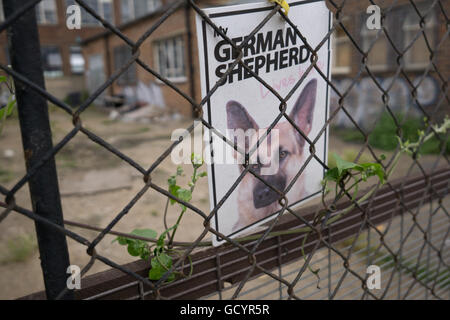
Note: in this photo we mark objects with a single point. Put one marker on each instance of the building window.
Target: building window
(104, 8)
(121, 56)
(46, 12)
(134, 9)
(378, 55)
(95, 73)
(342, 51)
(76, 60)
(52, 61)
(418, 55)
(169, 58)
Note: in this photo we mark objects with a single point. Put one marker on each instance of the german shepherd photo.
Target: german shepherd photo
(256, 200)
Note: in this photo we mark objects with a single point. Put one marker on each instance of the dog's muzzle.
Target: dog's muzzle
(263, 195)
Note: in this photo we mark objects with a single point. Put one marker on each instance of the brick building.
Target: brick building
(62, 58)
(172, 51)
(402, 23)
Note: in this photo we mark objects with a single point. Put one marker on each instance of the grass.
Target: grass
(6, 175)
(18, 249)
(384, 135)
(154, 213)
(349, 135)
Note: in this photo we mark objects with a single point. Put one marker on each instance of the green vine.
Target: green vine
(161, 252)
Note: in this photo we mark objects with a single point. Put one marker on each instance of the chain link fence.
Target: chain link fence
(401, 226)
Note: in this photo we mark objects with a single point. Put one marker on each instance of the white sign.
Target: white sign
(243, 105)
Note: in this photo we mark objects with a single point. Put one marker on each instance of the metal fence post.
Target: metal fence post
(25, 56)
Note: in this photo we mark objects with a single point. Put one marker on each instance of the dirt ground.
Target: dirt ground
(96, 185)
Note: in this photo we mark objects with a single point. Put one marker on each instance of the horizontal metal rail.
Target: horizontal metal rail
(113, 284)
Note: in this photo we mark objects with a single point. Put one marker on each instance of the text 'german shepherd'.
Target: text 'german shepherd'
(256, 200)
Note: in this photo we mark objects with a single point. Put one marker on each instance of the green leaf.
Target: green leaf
(342, 164)
(332, 175)
(134, 249)
(165, 260)
(172, 181)
(373, 169)
(381, 174)
(122, 241)
(135, 245)
(160, 265)
(145, 253)
(3, 79)
(173, 189)
(363, 176)
(162, 237)
(147, 233)
(10, 106)
(203, 174)
(7, 110)
(184, 194)
(155, 273)
(179, 171)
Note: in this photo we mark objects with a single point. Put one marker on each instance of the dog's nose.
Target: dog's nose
(263, 196)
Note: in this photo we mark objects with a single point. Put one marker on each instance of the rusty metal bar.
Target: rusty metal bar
(113, 284)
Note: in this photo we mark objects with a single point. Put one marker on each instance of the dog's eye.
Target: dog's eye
(283, 154)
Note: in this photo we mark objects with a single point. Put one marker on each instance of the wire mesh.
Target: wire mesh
(411, 248)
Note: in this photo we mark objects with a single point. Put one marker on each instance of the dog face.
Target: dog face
(277, 160)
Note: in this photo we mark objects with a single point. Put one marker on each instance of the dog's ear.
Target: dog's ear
(303, 111)
(238, 117)
(240, 121)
